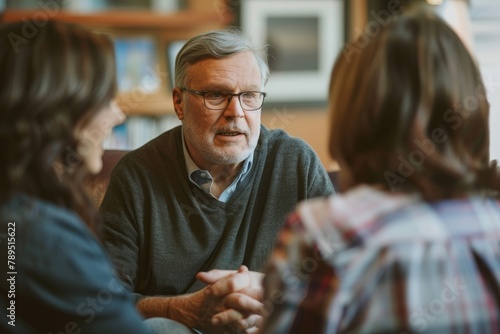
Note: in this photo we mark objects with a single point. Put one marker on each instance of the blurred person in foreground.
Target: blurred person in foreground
(56, 97)
(412, 244)
(192, 216)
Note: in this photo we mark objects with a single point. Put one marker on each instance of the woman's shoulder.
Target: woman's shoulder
(367, 215)
(59, 264)
(347, 217)
(354, 206)
(41, 226)
(28, 210)
(49, 240)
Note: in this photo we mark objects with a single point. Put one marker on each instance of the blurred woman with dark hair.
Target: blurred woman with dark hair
(413, 242)
(56, 98)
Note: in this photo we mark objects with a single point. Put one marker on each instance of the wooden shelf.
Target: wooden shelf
(180, 22)
(150, 105)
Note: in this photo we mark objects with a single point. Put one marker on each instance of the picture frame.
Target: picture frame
(303, 38)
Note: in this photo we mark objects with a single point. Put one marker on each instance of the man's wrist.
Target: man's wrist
(176, 308)
(158, 306)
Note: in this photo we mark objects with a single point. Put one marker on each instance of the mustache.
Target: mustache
(231, 129)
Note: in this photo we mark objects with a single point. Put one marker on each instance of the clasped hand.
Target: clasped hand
(232, 300)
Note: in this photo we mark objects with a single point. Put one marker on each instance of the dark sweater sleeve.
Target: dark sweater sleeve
(311, 176)
(320, 184)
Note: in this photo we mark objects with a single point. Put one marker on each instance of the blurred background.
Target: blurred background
(303, 37)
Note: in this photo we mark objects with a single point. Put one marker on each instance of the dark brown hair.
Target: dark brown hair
(55, 78)
(409, 111)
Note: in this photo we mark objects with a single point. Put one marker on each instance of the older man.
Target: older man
(192, 216)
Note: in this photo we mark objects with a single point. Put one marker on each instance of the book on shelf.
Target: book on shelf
(138, 130)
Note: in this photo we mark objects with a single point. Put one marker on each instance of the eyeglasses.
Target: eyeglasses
(219, 100)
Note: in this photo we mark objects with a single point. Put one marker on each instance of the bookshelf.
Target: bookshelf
(160, 29)
(142, 41)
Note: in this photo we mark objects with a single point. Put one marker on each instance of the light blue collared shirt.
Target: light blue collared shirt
(204, 180)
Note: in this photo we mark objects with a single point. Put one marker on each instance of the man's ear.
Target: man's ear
(178, 103)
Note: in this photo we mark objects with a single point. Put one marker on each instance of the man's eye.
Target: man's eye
(215, 95)
(250, 96)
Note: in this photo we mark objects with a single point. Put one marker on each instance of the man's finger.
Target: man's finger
(244, 325)
(254, 321)
(226, 317)
(230, 284)
(244, 304)
(255, 293)
(212, 276)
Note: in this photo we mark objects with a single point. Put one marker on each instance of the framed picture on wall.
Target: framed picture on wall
(303, 38)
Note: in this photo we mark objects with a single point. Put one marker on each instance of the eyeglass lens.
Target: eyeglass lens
(220, 100)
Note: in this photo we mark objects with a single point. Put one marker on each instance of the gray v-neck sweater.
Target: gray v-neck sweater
(161, 230)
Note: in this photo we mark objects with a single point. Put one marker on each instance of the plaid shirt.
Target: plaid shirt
(374, 262)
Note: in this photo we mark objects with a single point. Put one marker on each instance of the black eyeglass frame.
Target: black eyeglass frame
(231, 95)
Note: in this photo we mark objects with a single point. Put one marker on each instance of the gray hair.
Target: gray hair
(217, 44)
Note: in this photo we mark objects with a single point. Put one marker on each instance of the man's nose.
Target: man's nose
(234, 109)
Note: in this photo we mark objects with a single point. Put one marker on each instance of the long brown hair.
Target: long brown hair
(409, 111)
(55, 78)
